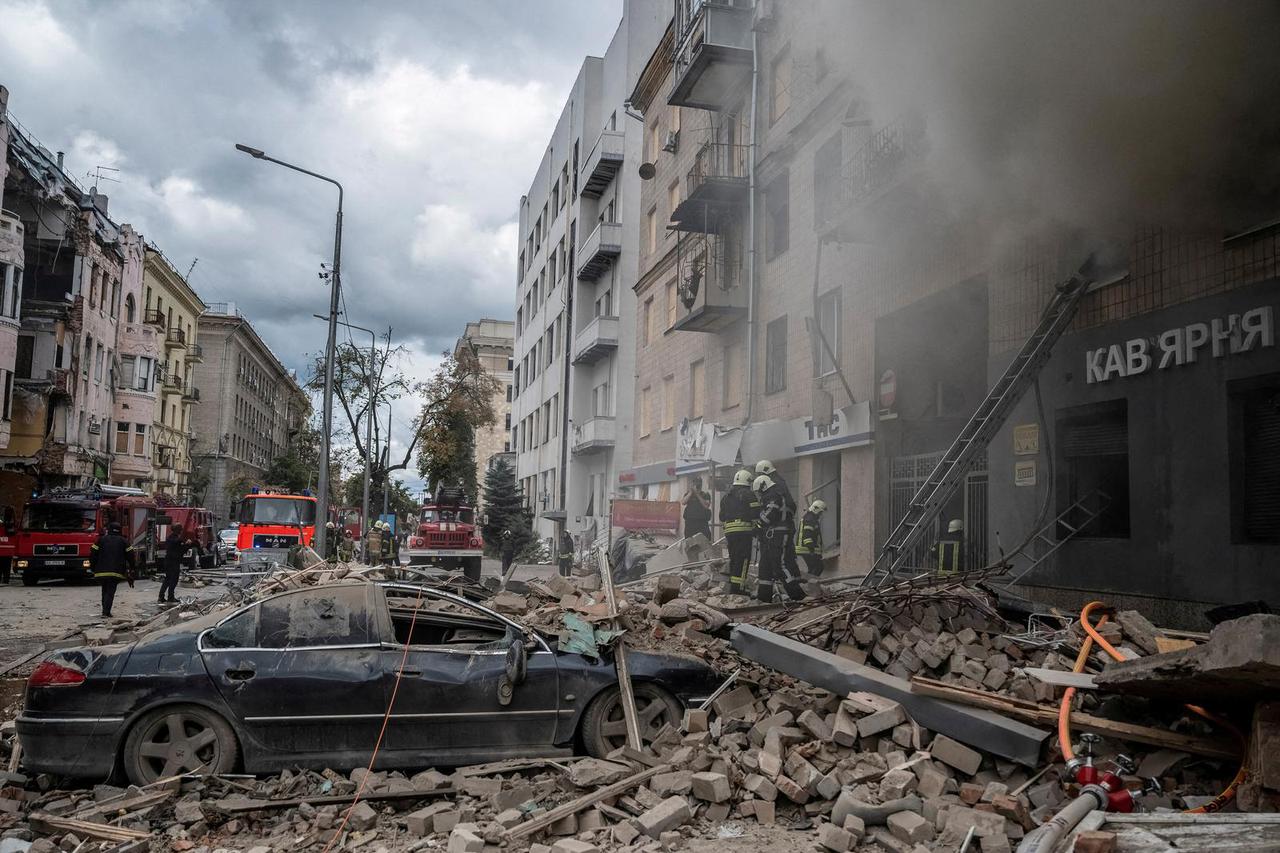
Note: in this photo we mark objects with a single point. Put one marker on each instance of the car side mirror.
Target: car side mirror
(517, 661)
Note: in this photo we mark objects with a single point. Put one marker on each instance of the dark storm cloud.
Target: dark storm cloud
(432, 114)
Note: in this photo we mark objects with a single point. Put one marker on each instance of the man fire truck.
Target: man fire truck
(273, 520)
(60, 527)
(447, 535)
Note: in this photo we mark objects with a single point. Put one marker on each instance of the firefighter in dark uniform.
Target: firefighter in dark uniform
(112, 563)
(776, 526)
(950, 548)
(739, 510)
(565, 557)
(791, 567)
(809, 542)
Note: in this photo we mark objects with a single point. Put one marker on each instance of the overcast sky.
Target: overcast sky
(432, 114)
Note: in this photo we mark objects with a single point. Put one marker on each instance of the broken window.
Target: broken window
(777, 221)
(442, 623)
(1094, 451)
(334, 617)
(775, 356)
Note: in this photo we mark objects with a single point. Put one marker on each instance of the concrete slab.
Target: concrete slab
(981, 729)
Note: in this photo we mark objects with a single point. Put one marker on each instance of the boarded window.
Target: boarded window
(775, 356)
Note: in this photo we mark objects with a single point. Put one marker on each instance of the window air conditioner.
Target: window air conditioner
(672, 142)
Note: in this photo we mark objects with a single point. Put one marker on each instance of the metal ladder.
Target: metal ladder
(1081, 515)
(981, 428)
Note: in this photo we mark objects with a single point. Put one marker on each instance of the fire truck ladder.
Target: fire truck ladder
(990, 415)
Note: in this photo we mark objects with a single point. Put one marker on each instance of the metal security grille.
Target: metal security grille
(907, 474)
(1262, 467)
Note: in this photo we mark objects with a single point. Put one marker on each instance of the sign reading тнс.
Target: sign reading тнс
(1235, 333)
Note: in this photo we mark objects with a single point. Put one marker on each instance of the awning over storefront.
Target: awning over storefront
(701, 444)
(644, 475)
(784, 439)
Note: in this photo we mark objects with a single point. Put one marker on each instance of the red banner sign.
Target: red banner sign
(646, 515)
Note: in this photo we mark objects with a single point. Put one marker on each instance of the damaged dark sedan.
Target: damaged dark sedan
(305, 678)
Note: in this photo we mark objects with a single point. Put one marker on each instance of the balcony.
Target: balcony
(597, 340)
(715, 188)
(195, 352)
(868, 177)
(192, 395)
(713, 53)
(594, 436)
(172, 385)
(151, 317)
(175, 339)
(63, 382)
(602, 163)
(599, 250)
(709, 282)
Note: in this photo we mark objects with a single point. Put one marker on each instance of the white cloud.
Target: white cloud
(31, 35)
(449, 240)
(183, 202)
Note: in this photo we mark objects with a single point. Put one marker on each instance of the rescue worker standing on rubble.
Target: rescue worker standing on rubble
(373, 544)
(809, 542)
(508, 551)
(112, 563)
(697, 511)
(565, 558)
(347, 547)
(738, 512)
(791, 567)
(330, 540)
(776, 524)
(950, 547)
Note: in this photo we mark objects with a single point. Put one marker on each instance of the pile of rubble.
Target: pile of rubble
(907, 720)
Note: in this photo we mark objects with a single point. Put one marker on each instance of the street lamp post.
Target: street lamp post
(368, 424)
(335, 289)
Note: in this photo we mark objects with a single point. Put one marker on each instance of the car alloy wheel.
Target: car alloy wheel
(605, 728)
(176, 740)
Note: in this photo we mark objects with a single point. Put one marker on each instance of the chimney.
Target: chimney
(60, 156)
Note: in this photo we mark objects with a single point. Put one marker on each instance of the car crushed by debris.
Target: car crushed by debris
(304, 678)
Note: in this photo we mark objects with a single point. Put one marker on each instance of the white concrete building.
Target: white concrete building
(575, 303)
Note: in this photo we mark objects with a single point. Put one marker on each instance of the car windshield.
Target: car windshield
(291, 511)
(463, 515)
(59, 518)
(228, 535)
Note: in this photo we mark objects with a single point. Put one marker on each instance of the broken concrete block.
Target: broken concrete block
(910, 827)
(625, 833)
(814, 725)
(773, 721)
(765, 812)
(711, 787)
(668, 814)
(466, 838)
(573, 845)
(761, 787)
(955, 754)
(897, 784)
(870, 814)
(695, 720)
(362, 816)
(960, 820)
(835, 838)
(882, 720)
(791, 790)
(676, 782)
(421, 822)
(854, 826)
(596, 772)
(932, 782)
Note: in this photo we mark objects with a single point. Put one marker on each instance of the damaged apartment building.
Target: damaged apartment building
(800, 298)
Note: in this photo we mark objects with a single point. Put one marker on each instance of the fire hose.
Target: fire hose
(1106, 791)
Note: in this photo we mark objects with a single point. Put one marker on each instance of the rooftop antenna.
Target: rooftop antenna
(98, 177)
(191, 268)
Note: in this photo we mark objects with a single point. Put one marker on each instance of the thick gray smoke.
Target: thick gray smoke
(1078, 115)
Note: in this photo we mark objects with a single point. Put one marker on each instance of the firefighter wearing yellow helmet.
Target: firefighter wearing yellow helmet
(809, 542)
(738, 512)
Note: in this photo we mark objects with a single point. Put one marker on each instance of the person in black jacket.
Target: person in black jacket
(697, 511)
(738, 511)
(790, 566)
(112, 562)
(176, 546)
(776, 523)
(809, 545)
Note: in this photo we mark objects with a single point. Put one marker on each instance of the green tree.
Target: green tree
(459, 401)
(504, 509)
(449, 454)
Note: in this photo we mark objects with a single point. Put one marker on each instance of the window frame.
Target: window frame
(775, 375)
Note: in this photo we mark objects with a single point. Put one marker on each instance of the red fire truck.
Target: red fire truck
(196, 524)
(272, 521)
(447, 535)
(60, 527)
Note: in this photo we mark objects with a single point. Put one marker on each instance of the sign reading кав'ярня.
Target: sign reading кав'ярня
(1236, 333)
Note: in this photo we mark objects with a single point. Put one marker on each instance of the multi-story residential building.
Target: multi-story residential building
(63, 402)
(493, 342)
(869, 339)
(578, 235)
(170, 305)
(251, 407)
(134, 374)
(11, 264)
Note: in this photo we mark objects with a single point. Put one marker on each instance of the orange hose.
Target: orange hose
(1064, 710)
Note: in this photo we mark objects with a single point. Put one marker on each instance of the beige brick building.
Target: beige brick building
(868, 328)
(494, 344)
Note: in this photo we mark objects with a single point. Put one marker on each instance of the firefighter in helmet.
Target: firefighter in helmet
(809, 542)
(776, 524)
(764, 466)
(950, 548)
(739, 510)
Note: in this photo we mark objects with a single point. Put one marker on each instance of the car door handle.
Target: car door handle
(414, 672)
(240, 674)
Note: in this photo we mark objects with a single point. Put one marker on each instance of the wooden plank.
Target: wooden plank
(1039, 715)
(127, 803)
(14, 664)
(629, 713)
(51, 825)
(236, 805)
(1061, 678)
(585, 801)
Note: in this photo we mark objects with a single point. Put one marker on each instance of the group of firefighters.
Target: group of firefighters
(381, 545)
(759, 508)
